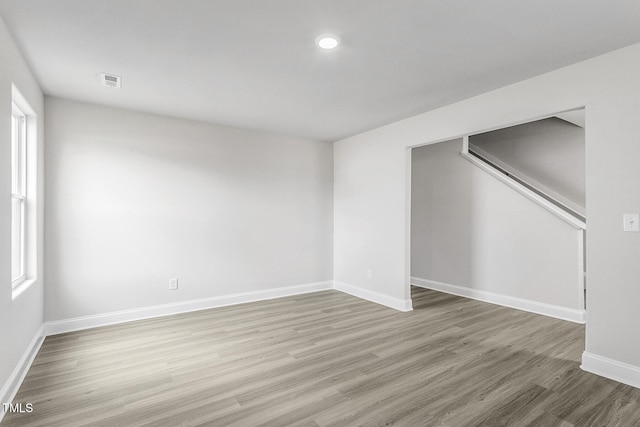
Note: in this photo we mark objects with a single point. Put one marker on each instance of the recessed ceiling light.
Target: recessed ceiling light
(327, 41)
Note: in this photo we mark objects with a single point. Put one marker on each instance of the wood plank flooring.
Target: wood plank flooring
(325, 359)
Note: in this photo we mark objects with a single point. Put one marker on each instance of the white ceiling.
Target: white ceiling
(253, 63)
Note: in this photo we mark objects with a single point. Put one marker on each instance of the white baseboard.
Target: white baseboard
(10, 388)
(599, 365)
(105, 319)
(564, 313)
(612, 369)
(112, 318)
(386, 300)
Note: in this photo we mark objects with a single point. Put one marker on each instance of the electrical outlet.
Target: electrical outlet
(369, 274)
(173, 284)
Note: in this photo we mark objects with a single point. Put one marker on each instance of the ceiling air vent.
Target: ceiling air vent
(110, 80)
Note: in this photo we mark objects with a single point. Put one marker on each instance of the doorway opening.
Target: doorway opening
(501, 216)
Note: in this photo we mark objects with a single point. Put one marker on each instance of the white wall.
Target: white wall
(372, 192)
(20, 319)
(371, 215)
(469, 229)
(549, 152)
(136, 199)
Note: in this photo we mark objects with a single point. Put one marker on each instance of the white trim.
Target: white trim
(539, 200)
(373, 296)
(407, 226)
(498, 127)
(580, 210)
(564, 313)
(612, 369)
(13, 383)
(94, 321)
(112, 318)
(23, 286)
(21, 102)
(581, 273)
(465, 144)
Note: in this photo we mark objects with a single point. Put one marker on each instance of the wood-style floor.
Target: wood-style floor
(325, 359)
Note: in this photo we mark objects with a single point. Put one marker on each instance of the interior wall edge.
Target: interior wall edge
(373, 296)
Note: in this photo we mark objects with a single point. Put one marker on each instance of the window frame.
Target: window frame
(19, 195)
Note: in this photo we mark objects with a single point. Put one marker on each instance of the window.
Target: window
(18, 195)
(24, 188)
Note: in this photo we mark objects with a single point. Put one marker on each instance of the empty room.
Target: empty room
(338, 213)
